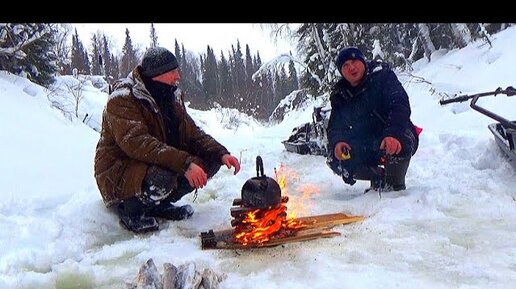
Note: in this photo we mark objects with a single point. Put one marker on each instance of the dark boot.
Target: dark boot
(375, 174)
(132, 216)
(395, 171)
(167, 210)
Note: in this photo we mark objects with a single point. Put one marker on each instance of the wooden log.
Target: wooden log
(237, 202)
(329, 220)
(239, 211)
(316, 227)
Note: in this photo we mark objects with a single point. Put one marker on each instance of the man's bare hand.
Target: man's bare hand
(391, 145)
(196, 176)
(230, 161)
(341, 150)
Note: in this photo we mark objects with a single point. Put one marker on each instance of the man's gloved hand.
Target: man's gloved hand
(341, 150)
(391, 145)
(196, 176)
(230, 161)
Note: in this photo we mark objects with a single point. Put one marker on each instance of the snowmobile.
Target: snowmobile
(310, 138)
(504, 130)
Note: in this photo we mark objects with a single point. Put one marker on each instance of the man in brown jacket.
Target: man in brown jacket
(151, 153)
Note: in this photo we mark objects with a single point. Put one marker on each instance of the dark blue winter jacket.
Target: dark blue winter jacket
(363, 115)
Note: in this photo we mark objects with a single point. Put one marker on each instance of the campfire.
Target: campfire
(260, 217)
(261, 214)
(260, 225)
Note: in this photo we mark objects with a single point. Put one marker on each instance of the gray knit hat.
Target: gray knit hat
(158, 60)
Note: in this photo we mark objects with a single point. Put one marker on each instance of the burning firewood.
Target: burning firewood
(260, 219)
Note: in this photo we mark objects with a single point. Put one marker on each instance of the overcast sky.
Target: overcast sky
(194, 36)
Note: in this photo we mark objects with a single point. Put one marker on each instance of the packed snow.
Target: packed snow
(454, 226)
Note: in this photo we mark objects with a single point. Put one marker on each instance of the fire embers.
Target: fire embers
(261, 214)
(256, 226)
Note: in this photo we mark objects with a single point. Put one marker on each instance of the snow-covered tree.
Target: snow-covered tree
(79, 55)
(129, 59)
(96, 56)
(62, 48)
(29, 49)
(153, 36)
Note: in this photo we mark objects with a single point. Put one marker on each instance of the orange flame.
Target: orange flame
(262, 225)
(298, 205)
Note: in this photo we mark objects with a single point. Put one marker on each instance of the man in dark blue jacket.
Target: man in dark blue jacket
(370, 134)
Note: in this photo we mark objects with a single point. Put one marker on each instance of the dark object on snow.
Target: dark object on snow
(140, 217)
(260, 192)
(504, 131)
(310, 138)
(132, 216)
(167, 210)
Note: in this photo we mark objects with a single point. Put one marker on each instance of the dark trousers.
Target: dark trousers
(161, 187)
(161, 184)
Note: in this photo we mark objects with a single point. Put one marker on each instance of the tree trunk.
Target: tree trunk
(461, 34)
(426, 41)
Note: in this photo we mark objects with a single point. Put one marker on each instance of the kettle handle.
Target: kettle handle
(259, 167)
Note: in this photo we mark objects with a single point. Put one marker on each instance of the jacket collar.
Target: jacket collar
(139, 90)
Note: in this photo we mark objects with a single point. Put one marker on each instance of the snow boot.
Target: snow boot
(132, 216)
(167, 210)
(395, 171)
(377, 177)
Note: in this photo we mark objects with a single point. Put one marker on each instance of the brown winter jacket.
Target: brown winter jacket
(133, 137)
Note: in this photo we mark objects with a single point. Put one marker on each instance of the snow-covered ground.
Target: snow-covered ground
(454, 226)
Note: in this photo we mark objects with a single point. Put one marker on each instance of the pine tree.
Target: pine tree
(115, 67)
(177, 53)
(107, 60)
(292, 81)
(210, 77)
(249, 69)
(62, 48)
(190, 81)
(277, 87)
(129, 60)
(426, 40)
(86, 61)
(29, 49)
(238, 73)
(95, 56)
(79, 59)
(40, 63)
(316, 58)
(226, 87)
(153, 36)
